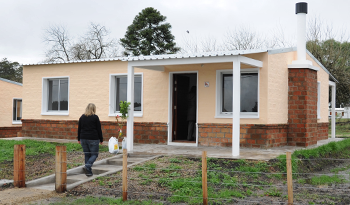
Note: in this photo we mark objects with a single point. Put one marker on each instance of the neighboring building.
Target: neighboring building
(278, 105)
(10, 108)
(342, 112)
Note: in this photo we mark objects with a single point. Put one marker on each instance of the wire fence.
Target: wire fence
(182, 182)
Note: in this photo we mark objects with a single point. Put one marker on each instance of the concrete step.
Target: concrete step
(117, 162)
(76, 176)
(48, 186)
(100, 169)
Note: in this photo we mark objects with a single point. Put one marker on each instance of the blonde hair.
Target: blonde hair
(90, 109)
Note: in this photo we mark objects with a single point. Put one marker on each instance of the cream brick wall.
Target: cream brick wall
(89, 82)
(323, 78)
(278, 87)
(8, 91)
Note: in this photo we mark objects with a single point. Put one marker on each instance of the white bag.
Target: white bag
(113, 145)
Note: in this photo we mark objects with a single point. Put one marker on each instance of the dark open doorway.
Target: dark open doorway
(184, 107)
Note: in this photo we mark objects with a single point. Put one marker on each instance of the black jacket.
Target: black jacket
(90, 128)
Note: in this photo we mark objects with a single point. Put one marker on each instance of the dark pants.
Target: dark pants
(90, 148)
(191, 135)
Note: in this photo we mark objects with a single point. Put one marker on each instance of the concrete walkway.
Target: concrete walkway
(219, 152)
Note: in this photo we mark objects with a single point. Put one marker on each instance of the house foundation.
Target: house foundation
(7, 132)
(209, 134)
(144, 132)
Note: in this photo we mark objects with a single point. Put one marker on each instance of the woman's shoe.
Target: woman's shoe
(87, 172)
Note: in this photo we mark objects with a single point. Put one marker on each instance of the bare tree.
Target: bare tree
(190, 44)
(243, 38)
(210, 44)
(95, 44)
(57, 38)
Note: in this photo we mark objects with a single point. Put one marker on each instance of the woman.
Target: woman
(89, 136)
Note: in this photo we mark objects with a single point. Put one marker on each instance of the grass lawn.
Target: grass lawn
(178, 180)
(342, 128)
(40, 157)
(34, 147)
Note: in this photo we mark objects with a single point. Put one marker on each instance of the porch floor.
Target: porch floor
(218, 152)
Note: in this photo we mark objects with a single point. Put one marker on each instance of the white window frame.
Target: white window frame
(45, 92)
(318, 100)
(17, 122)
(218, 113)
(112, 94)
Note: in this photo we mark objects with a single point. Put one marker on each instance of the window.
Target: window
(318, 100)
(249, 93)
(55, 96)
(17, 111)
(118, 92)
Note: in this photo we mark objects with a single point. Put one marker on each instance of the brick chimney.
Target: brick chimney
(302, 90)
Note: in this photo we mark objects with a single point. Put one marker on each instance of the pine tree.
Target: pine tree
(149, 35)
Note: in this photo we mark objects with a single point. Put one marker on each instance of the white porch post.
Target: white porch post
(130, 121)
(236, 105)
(332, 84)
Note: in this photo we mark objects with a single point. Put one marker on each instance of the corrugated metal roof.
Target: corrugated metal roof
(167, 56)
(191, 55)
(10, 81)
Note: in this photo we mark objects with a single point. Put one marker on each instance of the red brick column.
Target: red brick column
(302, 107)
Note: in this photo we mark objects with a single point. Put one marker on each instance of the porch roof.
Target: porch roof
(162, 57)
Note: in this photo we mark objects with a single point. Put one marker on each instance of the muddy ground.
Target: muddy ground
(145, 184)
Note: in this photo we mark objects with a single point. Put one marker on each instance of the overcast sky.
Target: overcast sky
(22, 22)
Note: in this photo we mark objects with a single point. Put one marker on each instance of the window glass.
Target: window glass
(121, 91)
(53, 94)
(137, 93)
(63, 94)
(17, 110)
(58, 95)
(227, 93)
(249, 92)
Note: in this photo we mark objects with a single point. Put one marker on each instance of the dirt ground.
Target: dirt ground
(44, 164)
(27, 196)
(111, 186)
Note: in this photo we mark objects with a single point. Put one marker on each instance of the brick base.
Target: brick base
(252, 136)
(255, 136)
(209, 134)
(6, 132)
(322, 130)
(144, 132)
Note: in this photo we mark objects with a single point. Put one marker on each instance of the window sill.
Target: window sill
(118, 114)
(242, 116)
(55, 113)
(16, 123)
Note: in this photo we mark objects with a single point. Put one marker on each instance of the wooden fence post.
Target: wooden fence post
(125, 175)
(289, 178)
(19, 167)
(204, 178)
(61, 169)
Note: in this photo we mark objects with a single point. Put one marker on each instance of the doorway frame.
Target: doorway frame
(170, 109)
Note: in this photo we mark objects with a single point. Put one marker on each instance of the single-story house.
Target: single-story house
(10, 108)
(277, 105)
(251, 98)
